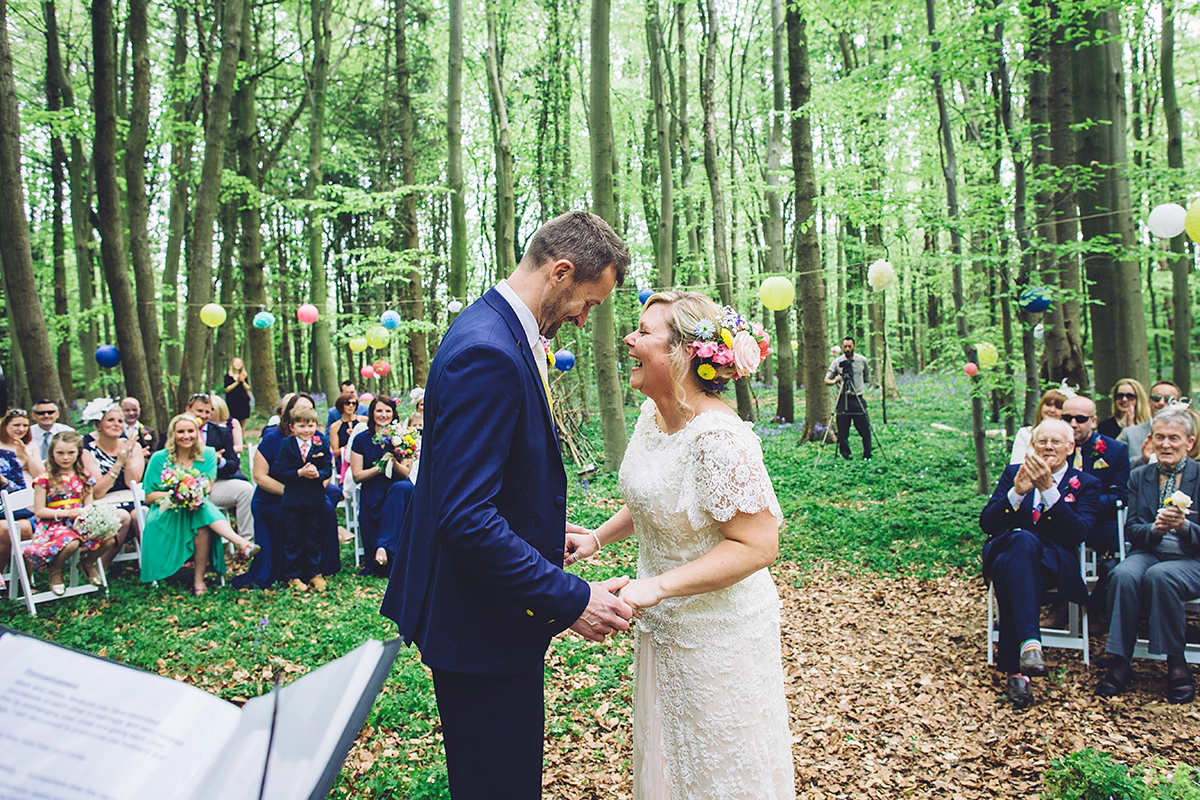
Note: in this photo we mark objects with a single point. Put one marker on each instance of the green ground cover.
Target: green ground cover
(912, 508)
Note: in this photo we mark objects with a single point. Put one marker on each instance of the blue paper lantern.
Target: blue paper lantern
(107, 356)
(390, 319)
(264, 319)
(644, 295)
(1036, 300)
(564, 360)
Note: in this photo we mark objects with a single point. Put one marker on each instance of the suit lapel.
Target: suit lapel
(524, 352)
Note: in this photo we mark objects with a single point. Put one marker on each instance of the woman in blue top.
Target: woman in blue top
(366, 456)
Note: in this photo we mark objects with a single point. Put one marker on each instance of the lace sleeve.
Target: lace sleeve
(728, 477)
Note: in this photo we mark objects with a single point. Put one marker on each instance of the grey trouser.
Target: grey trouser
(1165, 584)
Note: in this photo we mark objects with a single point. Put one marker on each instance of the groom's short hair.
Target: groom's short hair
(584, 239)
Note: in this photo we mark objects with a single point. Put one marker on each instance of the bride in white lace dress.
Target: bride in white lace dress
(710, 719)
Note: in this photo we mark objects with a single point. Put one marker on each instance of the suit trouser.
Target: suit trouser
(1018, 578)
(851, 408)
(230, 493)
(301, 552)
(1166, 583)
(493, 728)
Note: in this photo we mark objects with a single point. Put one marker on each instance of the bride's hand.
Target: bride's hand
(642, 593)
(580, 544)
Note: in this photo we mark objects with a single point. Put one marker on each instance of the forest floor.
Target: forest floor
(890, 696)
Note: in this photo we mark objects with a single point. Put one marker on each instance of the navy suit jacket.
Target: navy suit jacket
(219, 438)
(300, 492)
(1062, 527)
(478, 581)
(1144, 505)
(1111, 468)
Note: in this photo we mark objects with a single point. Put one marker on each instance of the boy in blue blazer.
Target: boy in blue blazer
(303, 465)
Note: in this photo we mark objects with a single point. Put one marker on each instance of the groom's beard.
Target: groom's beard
(554, 311)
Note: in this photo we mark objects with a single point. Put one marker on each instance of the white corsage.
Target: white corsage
(1179, 500)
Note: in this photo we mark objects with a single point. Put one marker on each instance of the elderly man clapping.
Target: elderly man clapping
(1040, 512)
(1164, 565)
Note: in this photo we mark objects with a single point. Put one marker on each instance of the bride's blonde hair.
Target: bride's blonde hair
(684, 311)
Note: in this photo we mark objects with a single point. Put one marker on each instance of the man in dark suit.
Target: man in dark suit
(1035, 520)
(478, 582)
(1105, 459)
(231, 489)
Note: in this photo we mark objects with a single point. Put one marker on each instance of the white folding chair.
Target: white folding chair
(22, 587)
(1191, 650)
(132, 550)
(350, 507)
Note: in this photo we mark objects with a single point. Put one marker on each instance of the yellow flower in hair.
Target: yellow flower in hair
(727, 337)
(706, 372)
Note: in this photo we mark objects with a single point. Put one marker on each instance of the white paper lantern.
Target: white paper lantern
(1167, 220)
(1039, 331)
(881, 275)
(454, 306)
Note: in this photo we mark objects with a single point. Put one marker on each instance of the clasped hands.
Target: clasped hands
(1032, 472)
(309, 470)
(1169, 518)
(614, 602)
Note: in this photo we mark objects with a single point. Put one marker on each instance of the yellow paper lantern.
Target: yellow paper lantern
(1191, 222)
(987, 354)
(777, 293)
(212, 315)
(357, 344)
(378, 337)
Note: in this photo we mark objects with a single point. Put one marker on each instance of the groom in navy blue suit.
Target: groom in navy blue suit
(478, 581)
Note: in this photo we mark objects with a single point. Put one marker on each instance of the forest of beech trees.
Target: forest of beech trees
(372, 155)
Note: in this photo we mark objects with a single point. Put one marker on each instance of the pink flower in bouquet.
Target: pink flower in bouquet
(746, 353)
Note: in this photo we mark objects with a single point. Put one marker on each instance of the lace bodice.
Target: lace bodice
(678, 487)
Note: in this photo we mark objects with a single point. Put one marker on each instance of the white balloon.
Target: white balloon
(1039, 331)
(1167, 220)
(454, 306)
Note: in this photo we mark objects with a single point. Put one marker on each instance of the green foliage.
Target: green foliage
(1093, 775)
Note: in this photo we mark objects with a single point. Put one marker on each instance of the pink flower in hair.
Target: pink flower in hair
(707, 350)
(724, 357)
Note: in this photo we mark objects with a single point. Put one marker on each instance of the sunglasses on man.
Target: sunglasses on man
(1077, 418)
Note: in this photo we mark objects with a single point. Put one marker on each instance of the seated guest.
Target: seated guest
(16, 460)
(1035, 521)
(1105, 459)
(1137, 437)
(45, 414)
(115, 462)
(347, 387)
(1050, 407)
(231, 490)
(268, 513)
(221, 416)
(135, 431)
(1130, 407)
(339, 432)
(179, 528)
(369, 462)
(1163, 568)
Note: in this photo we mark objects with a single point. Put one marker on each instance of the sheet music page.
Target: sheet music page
(313, 712)
(76, 727)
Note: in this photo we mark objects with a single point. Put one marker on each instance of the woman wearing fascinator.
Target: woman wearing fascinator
(709, 717)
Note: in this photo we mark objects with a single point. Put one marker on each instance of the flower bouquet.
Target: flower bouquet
(397, 439)
(98, 522)
(1179, 500)
(185, 488)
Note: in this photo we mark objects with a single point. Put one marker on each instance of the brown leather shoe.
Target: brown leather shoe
(318, 583)
(1033, 663)
(298, 585)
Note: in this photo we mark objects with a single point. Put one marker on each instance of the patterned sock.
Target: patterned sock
(1029, 644)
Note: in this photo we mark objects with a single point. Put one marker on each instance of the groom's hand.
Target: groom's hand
(605, 611)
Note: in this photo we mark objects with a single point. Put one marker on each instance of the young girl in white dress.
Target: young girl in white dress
(710, 719)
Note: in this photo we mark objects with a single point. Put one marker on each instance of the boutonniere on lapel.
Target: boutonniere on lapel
(1069, 497)
(1073, 482)
(1099, 446)
(316, 441)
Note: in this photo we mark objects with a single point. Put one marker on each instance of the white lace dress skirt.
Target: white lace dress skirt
(710, 717)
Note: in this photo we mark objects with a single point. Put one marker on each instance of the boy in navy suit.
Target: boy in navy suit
(303, 465)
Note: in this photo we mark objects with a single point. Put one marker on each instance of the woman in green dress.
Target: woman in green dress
(181, 520)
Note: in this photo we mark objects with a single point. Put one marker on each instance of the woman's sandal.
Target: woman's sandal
(1111, 686)
(250, 551)
(1180, 690)
(93, 574)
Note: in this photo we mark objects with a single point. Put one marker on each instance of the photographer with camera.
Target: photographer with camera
(850, 371)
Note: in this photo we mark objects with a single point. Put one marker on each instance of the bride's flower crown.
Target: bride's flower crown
(733, 340)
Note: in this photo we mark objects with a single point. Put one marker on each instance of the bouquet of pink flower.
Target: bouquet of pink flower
(398, 439)
(185, 488)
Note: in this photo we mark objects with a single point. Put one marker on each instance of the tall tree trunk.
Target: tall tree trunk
(664, 253)
(326, 375)
(200, 271)
(454, 167)
(418, 347)
(604, 332)
(28, 323)
(785, 403)
(139, 213)
(1181, 342)
(708, 69)
(950, 174)
(1117, 318)
(58, 236)
(112, 235)
(814, 329)
(506, 236)
(181, 167)
(685, 141)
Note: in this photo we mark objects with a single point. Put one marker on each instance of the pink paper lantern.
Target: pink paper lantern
(365, 398)
(367, 371)
(307, 313)
(971, 368)
(382, 367)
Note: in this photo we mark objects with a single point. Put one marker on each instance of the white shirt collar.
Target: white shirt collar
(524, 315)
